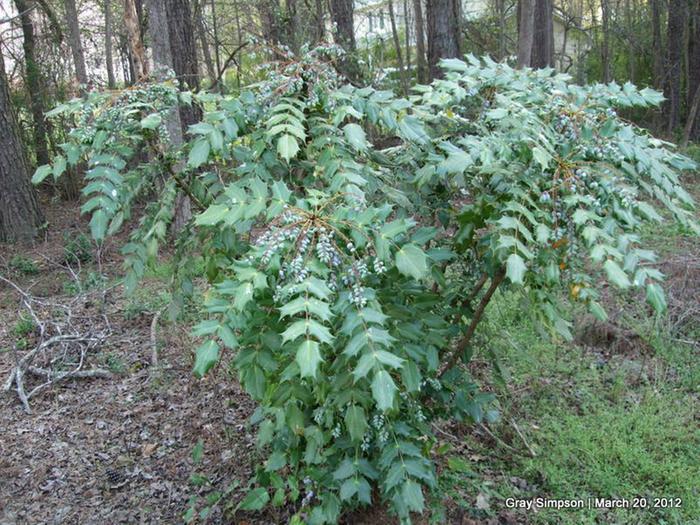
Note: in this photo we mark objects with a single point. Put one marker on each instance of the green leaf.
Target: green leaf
(356, 422)
(276, 461)
(287, 147)
(541, 157)
(212, 215)
(198, 451)
(308, 358)
(348, 489)
(616, 275)
(389, 359)
(383, 390)
(98, 224)
(355, 135)
(597, 311)
(256, 499)
(41, 173)
(59, 166)
(413, 495)
(152, 121)
(412, 261)
(515, 268)
(206, 357)
(199, 153)
(656, 297)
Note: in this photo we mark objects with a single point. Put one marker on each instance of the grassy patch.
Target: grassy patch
(621, 427)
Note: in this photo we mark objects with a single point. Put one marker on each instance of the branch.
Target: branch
(453, 357)
(226, 64)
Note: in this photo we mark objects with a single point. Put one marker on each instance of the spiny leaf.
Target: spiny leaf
(199, 153)
(206, 357)
(355, 135)
(515, 268)
(356, 422)
(616, 275)
(412, 261)
(287, 146)
(383, 390)
(308, 358)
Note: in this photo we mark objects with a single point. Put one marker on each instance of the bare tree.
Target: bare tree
(75, 43)
(109, 64)
(421, 64)
(543, 37)
(526, 31)
(342, 12)
(675, 29)
(20, 216)
(397, 46)
(444, 34)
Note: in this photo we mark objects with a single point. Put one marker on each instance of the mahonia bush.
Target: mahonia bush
(351, 241)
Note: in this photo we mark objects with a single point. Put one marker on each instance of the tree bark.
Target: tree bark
(109, 61)
(543, 35)
(206, 51)
(342, 13)
(397, 47)
(35, 83)
(526, 32)
(657, 44)
(605, 47)
(694, 66)
(138, 51)
(692, 117)
(76, 46)
(421, 64)
(676, 21)
(443, 33)
(20, 216)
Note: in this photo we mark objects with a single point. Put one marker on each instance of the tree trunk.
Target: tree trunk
(543, 35)
(35, 84)
(657, 44)
(526, 32)
(109, 64)
(605, 48)
(397, 47)
(320, 28)
(692, 118)
(20, 216)
(342, 13)
(76, 46)
(138, 51)
(421, 64)
(694, 65)
(676, 21)
(206, 51)
(443, 33)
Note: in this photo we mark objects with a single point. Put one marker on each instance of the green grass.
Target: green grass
(619, 428)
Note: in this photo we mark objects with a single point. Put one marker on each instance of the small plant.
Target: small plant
(348, 280)
(23, 327)
(115, 363)
(77, 248)
(23, 265)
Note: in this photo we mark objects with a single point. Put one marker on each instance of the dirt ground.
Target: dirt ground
(116, 450)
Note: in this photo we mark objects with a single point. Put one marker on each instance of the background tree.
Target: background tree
(20, 216)
(443, 33)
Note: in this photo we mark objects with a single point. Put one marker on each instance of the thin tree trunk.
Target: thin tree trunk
(397, 47)
(694, 62)
(657, 44)
(35, 83)
(20, 216)
(342, 13)
(407, 36)
(526, 32)
(138, 51)
(204, 44)
(421, 63)
(692, 118)
(443, 33)
(676, 20)
(605, 48)
(76, 46)
(320, 33)
(543, 36)
(111, 83)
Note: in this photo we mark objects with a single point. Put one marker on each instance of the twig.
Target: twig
(522, 437)
(464, 343)
(154, 340)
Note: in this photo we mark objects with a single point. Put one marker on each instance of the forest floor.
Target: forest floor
(613, 415)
